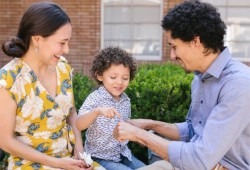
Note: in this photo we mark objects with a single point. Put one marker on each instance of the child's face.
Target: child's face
(115, 79)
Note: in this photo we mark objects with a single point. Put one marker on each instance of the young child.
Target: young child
(113, 68)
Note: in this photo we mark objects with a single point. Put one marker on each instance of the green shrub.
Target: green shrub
(159, 92)
(82, 86)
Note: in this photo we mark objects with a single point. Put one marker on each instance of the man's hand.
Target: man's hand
(125, 131)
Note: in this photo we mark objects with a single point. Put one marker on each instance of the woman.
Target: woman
(37, 106)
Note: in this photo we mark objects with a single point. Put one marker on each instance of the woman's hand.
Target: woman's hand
(72, 164)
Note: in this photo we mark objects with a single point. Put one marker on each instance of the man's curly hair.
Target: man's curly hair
(112, 56)
(194, 18)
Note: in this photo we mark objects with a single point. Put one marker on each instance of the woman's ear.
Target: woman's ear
(35, 40)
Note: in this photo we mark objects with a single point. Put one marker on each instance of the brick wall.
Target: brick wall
(165, 47)
(86, 19)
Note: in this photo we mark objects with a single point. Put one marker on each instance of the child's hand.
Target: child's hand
(108, 112)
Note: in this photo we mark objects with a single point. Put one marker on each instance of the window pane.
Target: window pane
(117, 14)
(240, 50)
(238, 14)
(146, 14)
(126, 45)
(134, 25)
(147, 31)
(117, 32)
(117, 2)
(146, 48)
(216, 2)
(238, 32)
(239, 2)
(146, 2)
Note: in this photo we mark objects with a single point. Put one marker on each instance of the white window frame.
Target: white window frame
(137, 57)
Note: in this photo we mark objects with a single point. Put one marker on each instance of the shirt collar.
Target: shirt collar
(104, 91)
(217, 66)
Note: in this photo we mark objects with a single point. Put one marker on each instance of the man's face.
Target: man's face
(184, 53)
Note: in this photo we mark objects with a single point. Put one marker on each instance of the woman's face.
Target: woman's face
(54, 46)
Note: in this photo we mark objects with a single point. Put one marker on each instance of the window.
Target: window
(236, 15)
(133, 25)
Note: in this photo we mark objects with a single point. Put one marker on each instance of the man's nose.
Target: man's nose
(172, 55)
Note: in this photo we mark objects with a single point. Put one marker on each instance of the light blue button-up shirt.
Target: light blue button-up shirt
(217, 127)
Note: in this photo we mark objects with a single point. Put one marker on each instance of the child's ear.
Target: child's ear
(99, 77)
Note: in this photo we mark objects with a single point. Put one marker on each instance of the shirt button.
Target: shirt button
(201, 101)
(199, 122)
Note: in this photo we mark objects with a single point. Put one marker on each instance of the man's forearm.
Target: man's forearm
(167, 130)
(155, 143)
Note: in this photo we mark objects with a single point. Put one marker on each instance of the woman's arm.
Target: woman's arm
(71, 120)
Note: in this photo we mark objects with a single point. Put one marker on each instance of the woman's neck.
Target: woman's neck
(34, 63)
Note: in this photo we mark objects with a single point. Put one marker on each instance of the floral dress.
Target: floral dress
(40, 118)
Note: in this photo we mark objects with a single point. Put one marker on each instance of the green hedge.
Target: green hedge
(160, 92)
(82, 86)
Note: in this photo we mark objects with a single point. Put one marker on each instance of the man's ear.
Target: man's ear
(35, 40)
(197, 41)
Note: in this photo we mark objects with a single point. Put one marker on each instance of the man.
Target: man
(216, 134)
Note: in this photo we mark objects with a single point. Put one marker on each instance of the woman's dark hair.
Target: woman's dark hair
(43, 19)
(112, 56)
(194, 18)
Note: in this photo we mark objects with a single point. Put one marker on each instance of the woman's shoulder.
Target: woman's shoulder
(13, 65)
(10, 72)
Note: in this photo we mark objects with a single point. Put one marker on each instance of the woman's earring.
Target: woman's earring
(36, 49)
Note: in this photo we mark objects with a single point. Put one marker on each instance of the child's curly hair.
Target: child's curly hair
(112, 56)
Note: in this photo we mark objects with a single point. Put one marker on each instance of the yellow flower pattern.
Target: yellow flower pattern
(40, 119)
